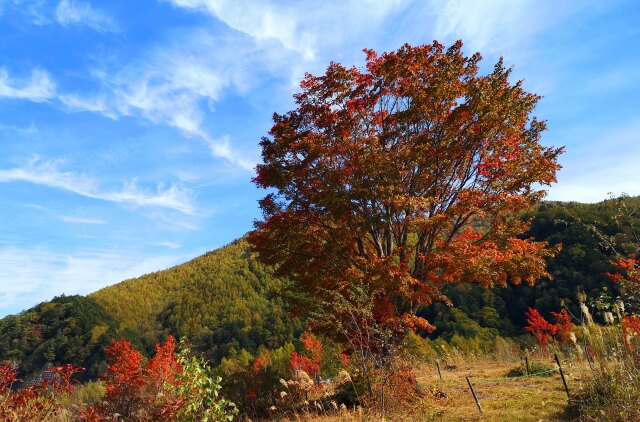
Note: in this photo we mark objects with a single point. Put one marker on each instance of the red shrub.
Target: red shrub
(163, 367)
(38, 401)
(630, 327)
(541, 329)
(309, 364)
(544, 331)
(563, 325)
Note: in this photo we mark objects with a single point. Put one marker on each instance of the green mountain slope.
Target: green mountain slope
(72, 329)
(222, 301)
(225, 301)
(586, 233)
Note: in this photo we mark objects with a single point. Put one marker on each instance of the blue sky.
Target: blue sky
(129, 129)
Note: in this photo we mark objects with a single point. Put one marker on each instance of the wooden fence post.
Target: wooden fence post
(526, 361)
(439, 373)
(564, 382)
(475, 397)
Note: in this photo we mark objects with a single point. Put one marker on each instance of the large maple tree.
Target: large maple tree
(401, 177)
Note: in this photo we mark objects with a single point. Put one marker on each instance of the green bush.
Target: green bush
(200, 390)
(535, 369)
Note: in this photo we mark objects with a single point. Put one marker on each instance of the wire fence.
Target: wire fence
(477, 380)
(542, 373)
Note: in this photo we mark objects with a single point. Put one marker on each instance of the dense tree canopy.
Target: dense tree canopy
(404, 177)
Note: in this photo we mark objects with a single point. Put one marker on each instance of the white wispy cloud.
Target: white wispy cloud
(171, 86)
(602, 164)
(31, 275)
(482, 23)
(170, 245)
(96, 105)
(177, 83)
(39, 87)
(28, 130)
(73, 12)
(48, 173)
(81, 220)
(307, 29)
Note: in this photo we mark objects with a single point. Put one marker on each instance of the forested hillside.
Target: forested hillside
(588, 233)
(225, 301)
(220, 301)
(71, 329)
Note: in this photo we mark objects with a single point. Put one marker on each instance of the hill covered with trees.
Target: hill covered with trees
(589, 235)
(72, 329)
(221, 301)
(225, 301)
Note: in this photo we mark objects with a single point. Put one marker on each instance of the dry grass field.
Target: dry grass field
(535, 398)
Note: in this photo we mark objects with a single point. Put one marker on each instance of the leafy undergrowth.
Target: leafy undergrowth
(522, 399)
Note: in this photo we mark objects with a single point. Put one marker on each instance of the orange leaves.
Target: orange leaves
(630, 269)
(163, 367)
(134, 387)
(415, 322)
(630, 326)
(544, 331)
(627, 277)
(260, 364)
(311, 363)
(35, 402)
(124, 371)
(403, 176)
(564, 324)
(541, 329)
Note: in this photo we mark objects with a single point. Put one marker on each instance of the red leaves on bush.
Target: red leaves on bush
(544, 331)
(541, 329)
(344, 360)
(630, 267)
(124, 371)
(163, 367)
(8, 376)
(260, 364)
(134, 388)
(630, 326)
(309, 364)
(563, 325)
(37, 401)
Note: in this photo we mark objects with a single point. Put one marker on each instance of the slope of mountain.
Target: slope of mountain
(225, 301)
(71, 329)
(222, 301)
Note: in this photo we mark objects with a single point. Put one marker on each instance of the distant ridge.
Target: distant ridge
(225, 301)
(222, 302)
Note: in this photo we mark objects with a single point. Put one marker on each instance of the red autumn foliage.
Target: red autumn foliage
(123, 378)
(629, 267)
(135, 390)
(630, 327)
(163, 367)
(38, 401)
(344, 360)
(381, 176)
(544, 331)
(563, 325)
(541, 329)
(311, 363)
(260, 364)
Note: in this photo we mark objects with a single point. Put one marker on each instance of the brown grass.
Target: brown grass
(534, 399)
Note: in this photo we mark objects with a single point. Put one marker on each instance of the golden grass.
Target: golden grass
(534, 399)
